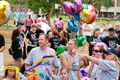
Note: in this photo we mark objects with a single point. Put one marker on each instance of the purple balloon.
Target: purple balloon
(77, 5)
(68, 7)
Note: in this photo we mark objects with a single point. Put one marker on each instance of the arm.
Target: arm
(56, 70)
(26, 66)
(78, 72)
(65, 62)
(90, 69)
(49, 73)
(2, 48)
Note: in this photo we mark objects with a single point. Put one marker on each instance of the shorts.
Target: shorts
(18, 59)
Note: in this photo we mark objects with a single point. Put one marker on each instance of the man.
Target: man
(38, 52)
(56, 20)
(2, 43)
(110, 40)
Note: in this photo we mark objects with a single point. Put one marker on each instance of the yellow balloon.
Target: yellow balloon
(85, 16)
(5, 11)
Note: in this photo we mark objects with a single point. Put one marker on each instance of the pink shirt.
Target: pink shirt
(29, 22)
(60, 24)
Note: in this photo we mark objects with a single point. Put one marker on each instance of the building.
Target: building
(113, 11)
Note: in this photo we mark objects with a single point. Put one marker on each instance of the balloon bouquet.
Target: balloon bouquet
(5, 12)
(80, 12)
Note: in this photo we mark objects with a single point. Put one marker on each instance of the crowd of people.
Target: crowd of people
(35, 39)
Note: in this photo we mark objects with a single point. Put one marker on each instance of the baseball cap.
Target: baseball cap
(118, 45)
(111, 50)
(20, 24)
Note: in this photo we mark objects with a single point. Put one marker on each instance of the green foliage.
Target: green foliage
(20, 2)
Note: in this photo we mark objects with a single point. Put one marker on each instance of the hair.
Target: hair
(55, 32)
(6, 72)
(46, 36)
(64, 68)
(115, 58)
(86, 61)
(73, 41)
(33, 25)
(15, 34)
(96, 29)
(60, 18)
(65, 34)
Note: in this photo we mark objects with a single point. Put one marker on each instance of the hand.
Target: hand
(47, 68)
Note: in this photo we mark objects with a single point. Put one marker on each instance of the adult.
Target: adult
(55, 40)
(111, 40)
(105, 29)
(17, 48)
(60, 24)
(38, 53)
(70, 60)
(94, 39)
(63, 38)
(108, 68)
(31, 38)
(16, 16)
(2, 43)
(29, 12)
(22, 16)
(87, 30)
(56, 20)
(38, 30)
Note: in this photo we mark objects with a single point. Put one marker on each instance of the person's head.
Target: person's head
(64, 72)
(33, 27)
(38, 26)
(57, 16)
(108, 21)
(38, 16)
(117, 26)
(60, 18)
(43, 40)
(15, 34)
(43, 16)
(111, 31)
(11, 73)
(84, 62)
(55, 32)
(96, 32)
(63, 34)
(98, 51)
(21, 28)
(50, 34)
(71, 45)
(29, 17)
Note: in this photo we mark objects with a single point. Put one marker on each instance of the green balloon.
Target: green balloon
(60, 49)
(81, 40)
(41, 75)
(84, 6)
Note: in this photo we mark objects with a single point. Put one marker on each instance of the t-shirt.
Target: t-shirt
(22, 15)
(63, 41)
(36, 54)
(105, 33)
(57, 78)
(38, 31)
(85, 70)
(109, 70)
(60, 24)
(56, 21)
(110, 42)
(7, 79)
(2, 41)
(31, 36)
(16, 15)
(74, 67)
(87, 33)
(93, 39)
(29, 21)
(55, 42)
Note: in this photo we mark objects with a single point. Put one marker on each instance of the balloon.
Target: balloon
(81, 40)
(76, 16)
(84, 73)
(35, 77)
(91, 7)
(22, 76)
(85, 16)
(72, 26)
(42, 75)
(60, 49)
(101, 44)
(5, 12)
(93, 13)
(68, 7)
(77, 5)
(84, 6)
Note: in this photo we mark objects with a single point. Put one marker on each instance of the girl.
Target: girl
(64, 72)
(63, 38)
(60, 25)
(84, 64)
(10, 74)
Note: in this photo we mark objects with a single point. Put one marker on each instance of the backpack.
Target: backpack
(11, 52)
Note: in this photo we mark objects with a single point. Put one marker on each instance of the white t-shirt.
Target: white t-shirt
(87, 33)
(56, 21)
(105, 33)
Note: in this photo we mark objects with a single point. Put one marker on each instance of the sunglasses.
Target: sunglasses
(96, 51)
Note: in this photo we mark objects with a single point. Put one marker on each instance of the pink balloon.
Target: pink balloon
(77, 5)
(68, 7)
(85, 78)
(91, 7)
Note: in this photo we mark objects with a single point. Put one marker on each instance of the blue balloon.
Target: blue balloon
(76, 16)
(72, 26)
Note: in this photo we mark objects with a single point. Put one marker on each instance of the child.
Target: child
(10, 72)
(64, 72)
(84, 64)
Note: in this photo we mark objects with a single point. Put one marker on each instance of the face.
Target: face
(112, 33)
(70, 45)
(97, 33)
(107, 56)
(64, 75)
(50, 34)
(96, 52)
(33, 28)
(42, 41)
(11, 73)
(61, 34)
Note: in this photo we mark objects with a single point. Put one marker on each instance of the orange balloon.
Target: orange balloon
(35, 77)
(85, 16)
(93, 13)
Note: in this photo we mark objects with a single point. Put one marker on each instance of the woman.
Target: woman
(17, 48)
(94, 39)
(31, 38)
(60, 25)
(63, 37)
(70, 60)
(108, 68)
